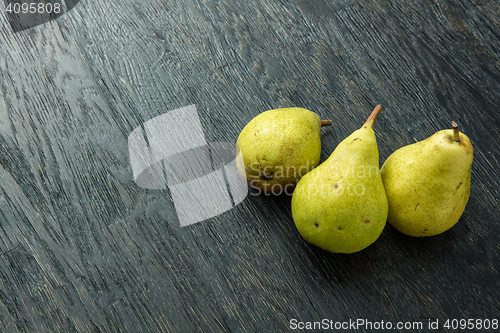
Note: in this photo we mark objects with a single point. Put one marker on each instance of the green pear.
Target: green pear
(341, 205)
(428, 183)
(277, 147)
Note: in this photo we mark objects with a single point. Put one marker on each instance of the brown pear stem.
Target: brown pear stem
(373, 116)
(456, 132)
(326, 123)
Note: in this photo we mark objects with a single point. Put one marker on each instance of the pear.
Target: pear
(341, 205)
(277, 147)
(428, 183)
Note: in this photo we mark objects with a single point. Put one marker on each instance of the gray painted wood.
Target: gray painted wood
(82, 248)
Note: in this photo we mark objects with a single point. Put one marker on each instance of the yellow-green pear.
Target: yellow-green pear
(428, 183)
(341, 205)
(277, 147)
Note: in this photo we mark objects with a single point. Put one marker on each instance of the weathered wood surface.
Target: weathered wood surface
(82, 248)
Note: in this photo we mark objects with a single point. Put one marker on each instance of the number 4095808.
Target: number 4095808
(478, 324)
(33, 8)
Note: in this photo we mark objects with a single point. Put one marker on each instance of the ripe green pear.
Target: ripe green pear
(341, 205)
(428, 183)
(277, 147)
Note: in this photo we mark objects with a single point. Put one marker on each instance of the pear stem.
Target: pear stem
(326, 123)
(456, 132)
(373, 116)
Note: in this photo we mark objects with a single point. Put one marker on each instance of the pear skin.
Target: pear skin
(277, 147)
(428, 183)
(341, 205)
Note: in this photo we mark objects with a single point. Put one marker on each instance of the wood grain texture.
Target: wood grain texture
(83, 249)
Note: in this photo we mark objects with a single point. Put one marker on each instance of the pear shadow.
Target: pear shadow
(345, 268)
(391, 247)
(328, 266)
(423, 248)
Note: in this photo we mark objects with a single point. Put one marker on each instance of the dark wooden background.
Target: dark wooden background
(84, 249)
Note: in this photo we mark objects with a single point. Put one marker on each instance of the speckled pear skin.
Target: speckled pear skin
(341, 205)
(428, 184)
(277, 147)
